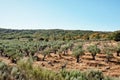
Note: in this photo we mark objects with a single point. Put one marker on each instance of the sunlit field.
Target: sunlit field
(37, 55)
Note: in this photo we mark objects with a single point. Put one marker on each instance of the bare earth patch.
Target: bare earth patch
(55, 63)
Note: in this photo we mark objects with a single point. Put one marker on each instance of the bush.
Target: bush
(94, 75)
(26, 71)
(116, 36)
(118, 49)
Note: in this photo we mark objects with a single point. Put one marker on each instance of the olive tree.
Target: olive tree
(55, 48)
(118, 49)
(116, 36)
(45, 53)
(1, 50)
(93, 49)
(109, 54)
(77, 52)
(65, 48)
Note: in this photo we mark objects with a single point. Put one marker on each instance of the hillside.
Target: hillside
(68, 54)
(53, 34)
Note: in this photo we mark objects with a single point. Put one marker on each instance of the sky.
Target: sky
(97, 15)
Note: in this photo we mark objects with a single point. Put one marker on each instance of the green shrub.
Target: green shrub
(94, 75)
(118, 49)
(108, 53)
(93, 49)
(116, 36)
(26, 71)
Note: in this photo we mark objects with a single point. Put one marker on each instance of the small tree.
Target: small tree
(93, 49)
(60, 52)
(118, 50)
(55, 48)
(116, 36)
(109, 54)
(26, 50)
(65, 49)
(77, 52)
(1, 49)
(71, 45)
(45, 53)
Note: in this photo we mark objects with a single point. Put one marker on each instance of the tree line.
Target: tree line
(58, 34)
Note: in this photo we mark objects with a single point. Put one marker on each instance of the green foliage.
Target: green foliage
(118, 49)
(65, 48)
(72, 75)
(57, 41)
(77, 52)
(93, 49)
(49, 35)
(116, 36)
(87, 75)
(26, 71)
(108, 53)
(94, 75)
(45, 53)
(10, 72)
(2, 65)
(37, 73)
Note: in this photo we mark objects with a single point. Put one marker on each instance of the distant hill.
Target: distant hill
(53, 34)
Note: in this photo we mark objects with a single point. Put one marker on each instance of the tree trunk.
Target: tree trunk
(2, 54)
(117, 53)
(55, 51)
(67, 51)
(26, 53)
(13, 60)
(93, 57)
(44, 58)
(78, 59)
(64, 53)
(9, 57)
(108, 59)
(36, 58)
(1, 51)
(71, 48)
(60, 56)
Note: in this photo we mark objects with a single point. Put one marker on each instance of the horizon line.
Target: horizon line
(59, 29)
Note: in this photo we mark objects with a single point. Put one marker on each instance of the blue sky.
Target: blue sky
(98, 15)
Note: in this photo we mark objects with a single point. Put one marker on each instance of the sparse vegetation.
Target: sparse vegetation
(25, 71)
(28, 52)
(116, 36)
